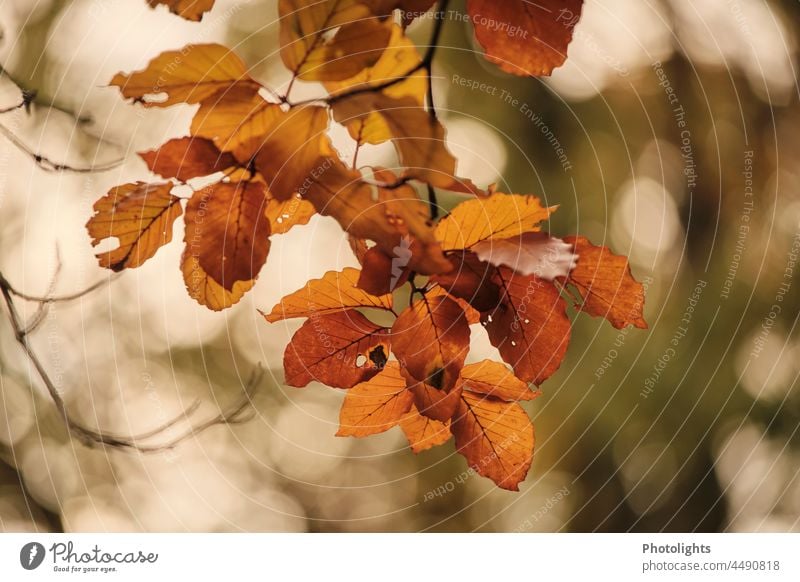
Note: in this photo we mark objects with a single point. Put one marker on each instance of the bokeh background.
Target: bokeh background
(690, 425)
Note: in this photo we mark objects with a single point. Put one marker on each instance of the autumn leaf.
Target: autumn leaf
(190, 75)
(605, 283)
(422, 432)
(205, 290)
(228, 232)
(495, 437)
(530, 326)
(188, 9)
(431, 341)
(418, 137)
(284, 215)
(385, 7)
(432, 398)
(498, 216)
(291, 154)
(376, 405)
(337, 349)
(335, 291)
(313, 52)
(381, 274)
(186, 158)
(524, 37)
(495, 380)
(386, 216)
(235, 119)
(140, 216)
(531, 253)
(471, 280)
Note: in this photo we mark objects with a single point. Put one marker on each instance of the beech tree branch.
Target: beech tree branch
(236, 413)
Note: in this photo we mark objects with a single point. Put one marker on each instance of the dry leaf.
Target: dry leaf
(376, 405)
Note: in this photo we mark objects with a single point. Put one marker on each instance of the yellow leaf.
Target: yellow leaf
(190, 75)
(422, 432)
(205, 290)
(310, 54)
(495, 217)
(336, 291)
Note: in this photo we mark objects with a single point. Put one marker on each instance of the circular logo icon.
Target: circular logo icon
(31, 555)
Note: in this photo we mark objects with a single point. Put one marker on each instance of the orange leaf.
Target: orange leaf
(336, 291)
(524, 37)
(188, 9)
(606, 285)
(436, 402)
(186, 158)
(384, 215)
(284, 215)
(338, 349)
(140, 216)
(422, 432)
(227, 231)
(205, 290)
(291, 153)
(311, 49)
(495, 437)
(471, 280)
(530, 327)
(381, 274)
(431, 340)
(495, 217)
(376, 405)
(495, 380)
(190, 75)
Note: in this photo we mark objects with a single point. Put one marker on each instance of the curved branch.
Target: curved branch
(89, 436)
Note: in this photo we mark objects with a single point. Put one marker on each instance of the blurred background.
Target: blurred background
(670, 135)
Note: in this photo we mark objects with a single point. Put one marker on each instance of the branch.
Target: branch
(29, 97)
(92, 437)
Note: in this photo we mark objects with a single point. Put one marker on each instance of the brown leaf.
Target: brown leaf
(495, 437)
(531, 253)
(605, 283)
(236, 120)
(530, 327)
(384, 215)
(205, 290)
(434, 401)
(190, 75)
(497, 217)
(338, 349)
(418, 137)
(431, 341)
(422, 432)
(413, 8)
(227, 231)
(292, 152)
(524, 37)
(381, 274)
(186, 158)
(311, 49)
(286, 214)
(470, 280)
(336, 291)
(188, 9)
(495, 380)
(140, 216)
(376, 405)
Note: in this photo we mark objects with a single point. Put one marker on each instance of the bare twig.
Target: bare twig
(236, 413)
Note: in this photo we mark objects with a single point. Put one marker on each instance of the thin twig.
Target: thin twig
(90, 436)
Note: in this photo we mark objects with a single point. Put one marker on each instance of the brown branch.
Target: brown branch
(92, 437)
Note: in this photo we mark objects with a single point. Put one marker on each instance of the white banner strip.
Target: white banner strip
(400, 557)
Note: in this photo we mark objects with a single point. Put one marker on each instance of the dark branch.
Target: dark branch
(89, 436)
